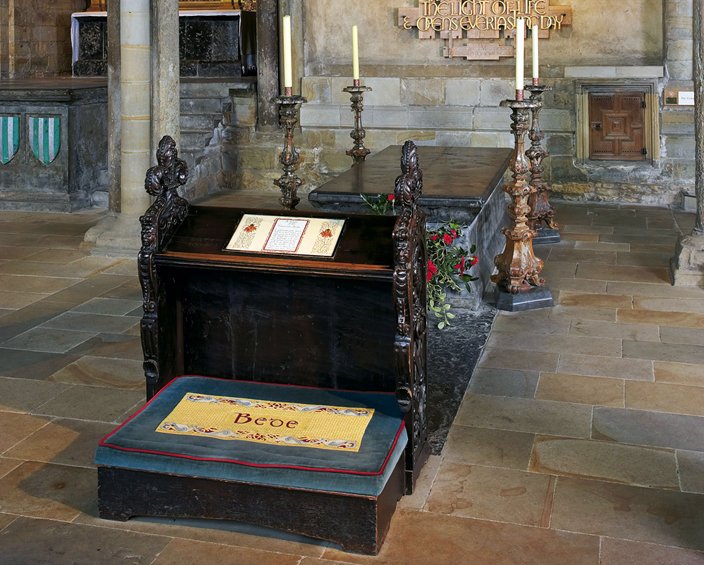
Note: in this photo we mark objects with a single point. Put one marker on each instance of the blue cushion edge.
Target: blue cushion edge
(325, 481)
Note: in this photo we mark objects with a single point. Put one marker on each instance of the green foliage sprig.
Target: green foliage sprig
(448, 269)
(381, 203)
(448, 264)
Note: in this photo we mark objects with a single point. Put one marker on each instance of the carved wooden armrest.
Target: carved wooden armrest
(410, 284)
(158, 225)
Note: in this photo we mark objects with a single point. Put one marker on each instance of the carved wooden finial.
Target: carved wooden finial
(170, 173)
(409, 185)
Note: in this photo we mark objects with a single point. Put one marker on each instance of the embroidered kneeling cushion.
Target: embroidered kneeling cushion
(297, 437)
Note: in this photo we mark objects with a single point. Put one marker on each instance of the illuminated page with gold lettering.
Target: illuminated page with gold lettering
(286, 234)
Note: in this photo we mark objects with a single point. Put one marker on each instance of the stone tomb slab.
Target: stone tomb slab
(462, 184)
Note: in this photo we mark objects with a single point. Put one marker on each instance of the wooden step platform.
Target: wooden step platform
(174, 458)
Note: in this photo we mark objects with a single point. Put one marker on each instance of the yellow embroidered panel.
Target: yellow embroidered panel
(265, 421)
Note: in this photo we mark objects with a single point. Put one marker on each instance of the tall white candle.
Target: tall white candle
(535, 51)
(355, 54)
(520, 55)
(288, 78)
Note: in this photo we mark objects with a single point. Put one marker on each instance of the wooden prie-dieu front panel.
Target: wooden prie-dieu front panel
(323, 322)
(617, 126)
(284, 328)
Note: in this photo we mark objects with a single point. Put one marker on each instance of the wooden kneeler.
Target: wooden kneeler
(233, 319)
(343, 496)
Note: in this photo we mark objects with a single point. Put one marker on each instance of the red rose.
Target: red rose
(391, 197)
(473, 260)
(432, 270)
(434, 237)
(454, 234)
(447, 238)
(460, 266)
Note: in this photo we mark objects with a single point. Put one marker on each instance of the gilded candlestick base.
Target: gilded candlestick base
(540, 209)
(518, 267)
(358, 152)
(289, 182)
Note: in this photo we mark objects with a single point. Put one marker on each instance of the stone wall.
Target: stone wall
(4, 38)
(418, 94)
(217, 135)
(677, 123)
(466, 112)
(35, 37)
(604, 32)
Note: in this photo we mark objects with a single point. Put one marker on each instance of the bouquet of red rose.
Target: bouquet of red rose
(448, 268)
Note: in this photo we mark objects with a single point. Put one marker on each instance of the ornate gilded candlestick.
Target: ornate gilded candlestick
(518, 282)
(289, 182)
(540, 209)
(358, 152)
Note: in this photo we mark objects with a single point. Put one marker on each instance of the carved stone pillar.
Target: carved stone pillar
(687, 266)
(120, 235)
(114, 105)
(136, 102)
(267, 64)
(166, 109)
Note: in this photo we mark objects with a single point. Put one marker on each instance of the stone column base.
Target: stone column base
(116, 236)
(687, 266)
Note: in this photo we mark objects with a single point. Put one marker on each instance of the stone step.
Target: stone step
(217, 88)
(199, 123)
(195, 141)
(208, 106)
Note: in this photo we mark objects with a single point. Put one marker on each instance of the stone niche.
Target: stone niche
(212, 43)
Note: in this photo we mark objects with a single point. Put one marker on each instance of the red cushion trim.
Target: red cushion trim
(366, 473)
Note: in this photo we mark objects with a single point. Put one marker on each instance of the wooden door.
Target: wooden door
(617, 126)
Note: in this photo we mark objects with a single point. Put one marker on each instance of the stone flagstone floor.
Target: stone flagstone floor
(579, 442)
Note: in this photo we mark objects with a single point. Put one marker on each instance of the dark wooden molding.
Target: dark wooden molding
(410, 283)
(158, 225)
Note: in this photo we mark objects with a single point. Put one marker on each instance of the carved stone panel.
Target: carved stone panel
(493, 21)
(222, 45)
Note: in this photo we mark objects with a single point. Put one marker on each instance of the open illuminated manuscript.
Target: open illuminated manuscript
(286, 234)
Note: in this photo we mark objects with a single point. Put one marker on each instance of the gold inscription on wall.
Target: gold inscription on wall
(488, 20)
